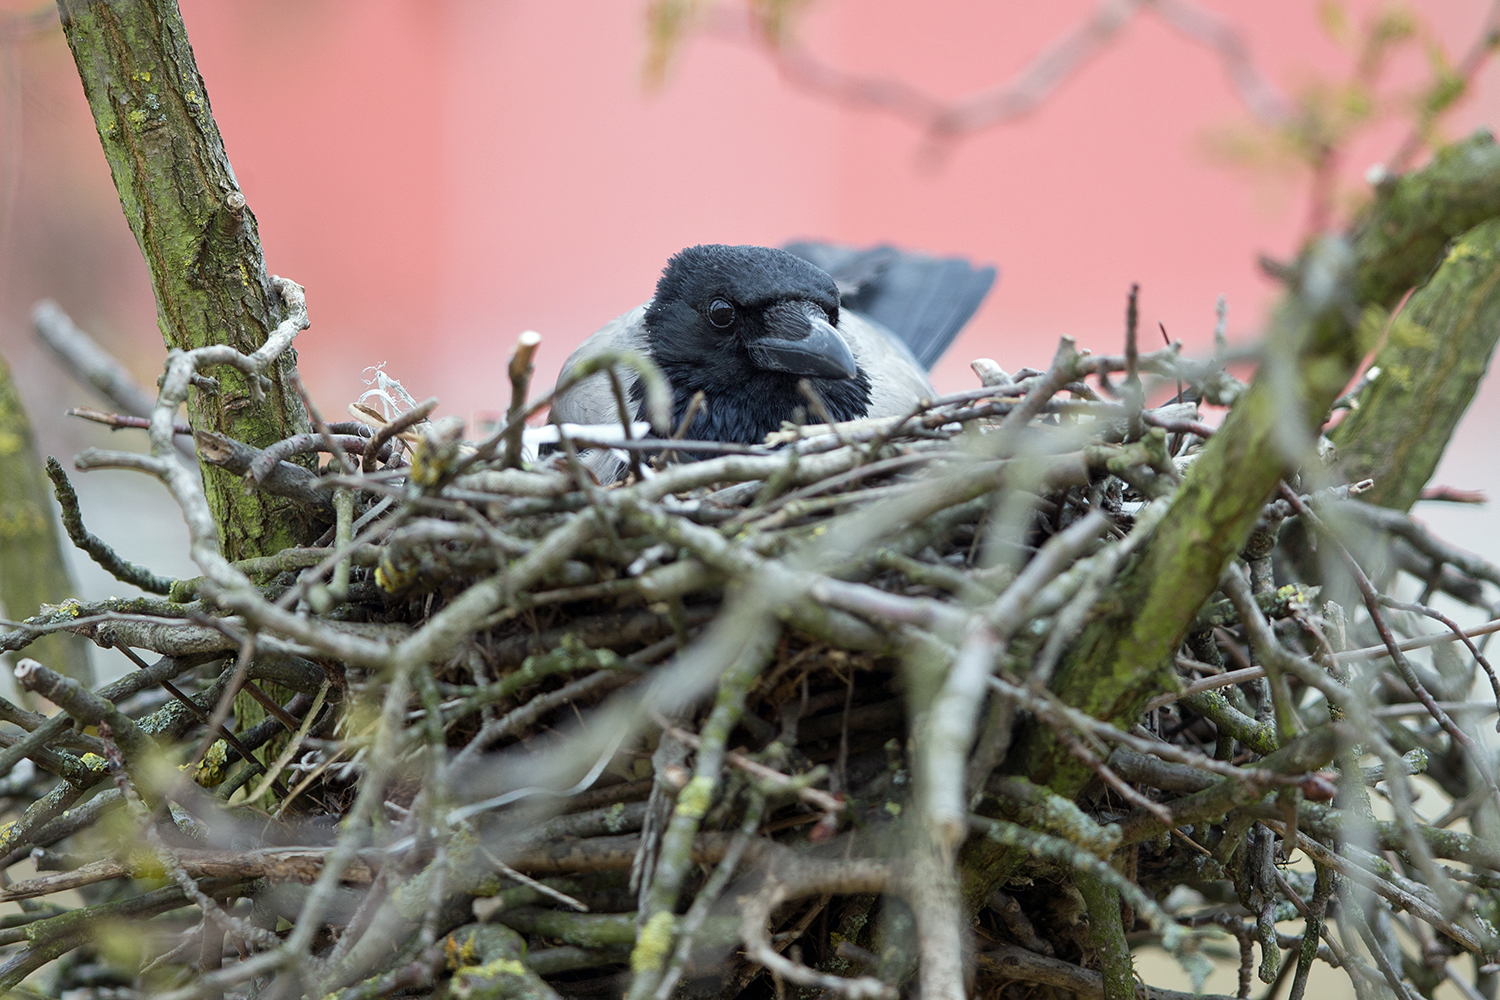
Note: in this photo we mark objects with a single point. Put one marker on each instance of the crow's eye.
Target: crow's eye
(721, 314)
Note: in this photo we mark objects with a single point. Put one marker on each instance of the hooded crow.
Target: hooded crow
(745, 324)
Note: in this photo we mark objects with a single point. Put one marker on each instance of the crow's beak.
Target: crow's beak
(799, 340)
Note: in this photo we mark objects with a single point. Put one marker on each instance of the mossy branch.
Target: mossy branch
(1434, 358)
(1316, 340)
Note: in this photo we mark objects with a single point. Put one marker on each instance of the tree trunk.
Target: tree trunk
(1315, 343)
(1431, 366)
(32, 570)
(197, 234)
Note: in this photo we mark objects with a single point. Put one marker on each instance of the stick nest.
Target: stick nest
(780, 718)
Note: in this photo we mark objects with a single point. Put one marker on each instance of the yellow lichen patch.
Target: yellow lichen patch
(652, 944)
(141, 76)
(137, 117)
(213, 769)
(694, 800)
(72, 608)
(430, 461)
(484, 980)
(391, 579)
(457, 955)
(1460, 250)
(1297, 596)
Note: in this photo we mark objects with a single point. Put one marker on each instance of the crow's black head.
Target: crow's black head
(744, 325)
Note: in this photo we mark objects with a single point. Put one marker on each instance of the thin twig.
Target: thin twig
(519, 369)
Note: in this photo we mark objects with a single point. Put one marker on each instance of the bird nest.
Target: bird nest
(790, 715)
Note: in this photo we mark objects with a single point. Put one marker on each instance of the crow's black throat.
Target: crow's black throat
(744, 404)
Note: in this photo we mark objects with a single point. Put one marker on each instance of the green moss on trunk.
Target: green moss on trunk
(199, 239)
(1107, 932)
(1318, 335)
(1431, 365)
(1315, 342)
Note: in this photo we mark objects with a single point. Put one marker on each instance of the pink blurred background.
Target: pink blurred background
(442, 174)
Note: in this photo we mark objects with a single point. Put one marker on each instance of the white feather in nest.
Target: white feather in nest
(395, 400)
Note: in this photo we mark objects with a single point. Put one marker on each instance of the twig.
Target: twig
(790, 876)
(332, 443)
(1382, 887)
(1458, 634)
(302, 444)
(1464, 73)
(695, 404)
(622, 410)
(708, 895)
(269, 779)
(72, 518)
(198, 713)
(519, 369)
(84, 707)
(955, 710)
(394, 427)
(1398, 523)
(1451, 494)
(1033, 84)
(1417, 642)
(1408, 673)
(83, 358)
(693, 803)
(531, 883)
(1313, 913)
(1131, 390)
(1108, 934)
(1226, 679)
(773, 778)
(120, 421)
(284, 479)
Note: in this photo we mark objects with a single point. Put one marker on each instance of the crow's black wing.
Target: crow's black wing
(923, 300)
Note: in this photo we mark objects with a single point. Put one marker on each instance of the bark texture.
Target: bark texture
(1434, 358)
(197, 234)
